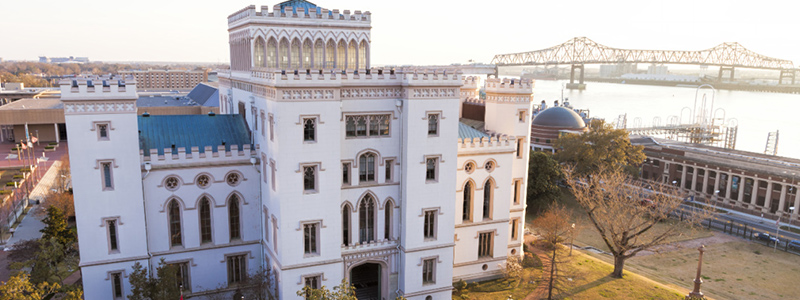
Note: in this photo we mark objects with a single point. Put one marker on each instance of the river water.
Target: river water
(757, 113)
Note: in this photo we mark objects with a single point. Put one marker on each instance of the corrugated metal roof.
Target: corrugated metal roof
(465, 131)
(168, 131)
(205, 95)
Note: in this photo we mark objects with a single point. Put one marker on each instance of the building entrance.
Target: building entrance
(366, 279)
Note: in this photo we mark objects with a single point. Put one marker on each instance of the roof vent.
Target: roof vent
(146, 114)
(211, 113)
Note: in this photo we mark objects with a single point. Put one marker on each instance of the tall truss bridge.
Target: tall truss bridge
(581, 50)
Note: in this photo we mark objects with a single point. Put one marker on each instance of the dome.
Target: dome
(559, 116)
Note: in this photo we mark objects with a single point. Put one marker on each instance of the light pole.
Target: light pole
(696, 293)
(777, 230)
(572, 239)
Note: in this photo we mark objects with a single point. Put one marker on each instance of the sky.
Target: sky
(403, 32)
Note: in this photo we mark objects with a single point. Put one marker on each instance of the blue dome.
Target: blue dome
(295, 4)
(559, 116)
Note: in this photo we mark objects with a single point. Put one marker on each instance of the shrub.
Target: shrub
(18, 176)
(531, 261)
(10, 183)
(49, 147)
(53, 144)
(25, 170)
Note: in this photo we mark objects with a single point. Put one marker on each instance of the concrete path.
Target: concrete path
(31, 223)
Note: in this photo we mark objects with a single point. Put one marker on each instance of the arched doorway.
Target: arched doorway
(366, 279)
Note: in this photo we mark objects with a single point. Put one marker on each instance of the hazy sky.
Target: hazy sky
(404, 32)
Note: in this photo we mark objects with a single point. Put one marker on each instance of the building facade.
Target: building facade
(167, 79)
(318, 169)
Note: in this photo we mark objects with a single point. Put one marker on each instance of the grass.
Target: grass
(594, 282)
(792, 229)
(730, 270)
(502, 289)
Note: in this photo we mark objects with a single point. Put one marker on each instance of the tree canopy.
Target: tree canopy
(601, 148)
(543, 173)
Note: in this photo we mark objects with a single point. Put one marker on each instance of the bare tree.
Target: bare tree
(625, 212)
(554, 227)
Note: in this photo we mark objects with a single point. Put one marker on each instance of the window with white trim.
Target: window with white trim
(311, 238)
(113, 240)
(310, 179)
(309, 129)
(366, 167)
(521, 114)
(366, 220)
(116, 285)
(108, 178)
(367, 125)
(429, 271)
(175, 236)
(431, 166)
(102, 131)
(271, 127)
(485, 245)
(517, 191)
(388, 170)
(519, 147)
(433, 124)
(488, 199)
(346, 174)
(429, 224)
(514, 229)
(237, 268)
(312, 281)
(387, 220)
(182, 275)
(234, 219)
(205, 220)
(346, 225)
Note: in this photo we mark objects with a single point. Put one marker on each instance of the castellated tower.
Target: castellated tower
(508, 106)
(101, 123)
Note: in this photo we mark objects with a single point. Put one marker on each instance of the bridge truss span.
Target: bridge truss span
(582, 50)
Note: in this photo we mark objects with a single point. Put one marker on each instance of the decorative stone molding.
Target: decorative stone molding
(308, 94)
(74, 108)
(434, 93)
(372, 93)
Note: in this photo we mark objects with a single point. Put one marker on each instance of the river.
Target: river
(757, 113)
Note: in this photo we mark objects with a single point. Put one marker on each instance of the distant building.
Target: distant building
(61, 60)
(657, 70)
(167, 79)
(549, 124)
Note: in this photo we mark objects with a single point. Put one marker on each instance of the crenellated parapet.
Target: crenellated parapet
(98, 88)
(208, 156)
(509, 90)
(368, 77)
(491, 143)
(345, 17)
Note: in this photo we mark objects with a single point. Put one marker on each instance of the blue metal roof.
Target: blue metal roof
(295, 4)
(175, 131)
(467, 132)
(205, 95)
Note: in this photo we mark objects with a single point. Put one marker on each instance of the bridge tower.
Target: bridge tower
(722, 71)
(580, 85)
(787, 73)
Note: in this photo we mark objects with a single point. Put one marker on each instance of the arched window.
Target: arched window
(346, 225)
(205, 221)
(366, 167)
(272, 53)
(487, 200)
(387, 220)
(362, 55)
(466, 216)
(283, 55)
(319, 52)
(341, 55)
(366, 220)
(259, 51)
(175, 223)
(307, 59)
(351, 56)
(330, 55)
(295, 60)
(233, 218)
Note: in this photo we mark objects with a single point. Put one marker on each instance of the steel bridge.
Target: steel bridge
(581, 50)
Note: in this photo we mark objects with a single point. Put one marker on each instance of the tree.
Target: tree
(56, 226)
(601, 148)
(48, 260)
(146, 286)
(512, 267)
(344, 291)
(19, 287)
(554, 226)
(626, 214)
(543, 173)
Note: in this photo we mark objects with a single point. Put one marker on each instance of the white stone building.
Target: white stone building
(318, 168)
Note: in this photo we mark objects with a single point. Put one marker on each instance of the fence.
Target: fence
(748, 232)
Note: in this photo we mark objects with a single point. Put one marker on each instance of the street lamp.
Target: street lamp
(572, 239)
(696, 293)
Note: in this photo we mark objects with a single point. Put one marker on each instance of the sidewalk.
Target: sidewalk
(31, 225)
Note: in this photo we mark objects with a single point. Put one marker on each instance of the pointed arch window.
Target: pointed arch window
(362, 55)
(487, 200)
(330, 55)
(387, 220)
(307, 58)
(272, 53)
(295, 58)
(351, 56)
(346, 225)
(234, 218)
(309, 129)
(366, 220)
(205, 221)
(341, 55)
(175, 224)
(319, 52)
(467, 211)
(366, 167)
(283, 55)
(258, 55)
